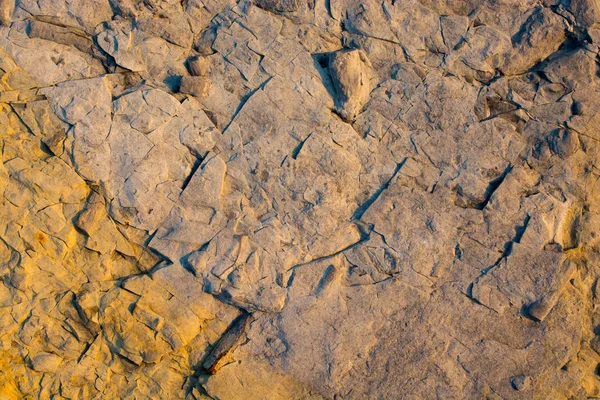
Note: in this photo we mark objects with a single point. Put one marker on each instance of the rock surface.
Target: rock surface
(299, 199)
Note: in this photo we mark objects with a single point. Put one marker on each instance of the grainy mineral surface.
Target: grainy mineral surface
(299, 199)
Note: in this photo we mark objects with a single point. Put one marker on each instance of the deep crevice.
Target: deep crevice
(492, 187)
(359, 212)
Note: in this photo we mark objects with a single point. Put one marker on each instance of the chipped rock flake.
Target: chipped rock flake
(293, 199)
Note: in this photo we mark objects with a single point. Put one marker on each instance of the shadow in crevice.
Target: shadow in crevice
(362, 208)
(493, 185)
(173, 82)
(321, 62)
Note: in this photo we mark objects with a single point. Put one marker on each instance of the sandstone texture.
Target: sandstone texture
(299, 199)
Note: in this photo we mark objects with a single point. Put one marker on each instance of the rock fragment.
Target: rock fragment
(223, 350)
(564, 142)
(351, 75)
(7, 8)
(540, 36)
(281, 6)
(520, 382)
(72, 36)
(46, 362)
(198, 65)
(197, 86)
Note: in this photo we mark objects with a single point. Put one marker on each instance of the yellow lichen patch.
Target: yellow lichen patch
(41, 237)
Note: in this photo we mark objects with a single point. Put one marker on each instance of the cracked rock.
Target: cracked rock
(295, 199)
